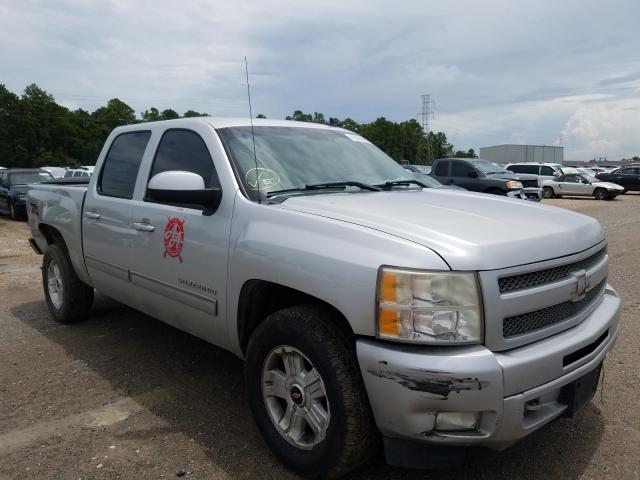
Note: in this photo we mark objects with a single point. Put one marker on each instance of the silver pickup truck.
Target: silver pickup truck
(369, 310)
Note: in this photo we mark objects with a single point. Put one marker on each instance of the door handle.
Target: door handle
(92, 215)
(143, 226)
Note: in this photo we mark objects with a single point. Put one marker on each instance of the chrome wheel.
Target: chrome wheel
(54, 285)
(295, 397)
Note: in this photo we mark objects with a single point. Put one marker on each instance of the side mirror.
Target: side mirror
(180, 188)
(556, 174)
(473, 174)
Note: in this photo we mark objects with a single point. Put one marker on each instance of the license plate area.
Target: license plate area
(580, 392)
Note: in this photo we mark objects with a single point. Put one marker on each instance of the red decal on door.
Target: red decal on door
(174, 238)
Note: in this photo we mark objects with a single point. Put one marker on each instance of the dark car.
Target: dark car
(13, 189)
(480, 175)
(627, 177)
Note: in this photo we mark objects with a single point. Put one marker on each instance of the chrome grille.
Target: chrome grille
(541, 277)
(528, 322)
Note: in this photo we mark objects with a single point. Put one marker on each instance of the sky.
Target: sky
(544, 72)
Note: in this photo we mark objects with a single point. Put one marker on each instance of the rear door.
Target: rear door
(106, 222)
(441, 172)
(4, 190)
(179, 264)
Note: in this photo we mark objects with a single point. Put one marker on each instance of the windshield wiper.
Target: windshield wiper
(394, 183)
(320, 186)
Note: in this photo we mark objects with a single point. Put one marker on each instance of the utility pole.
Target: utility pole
(428, 107)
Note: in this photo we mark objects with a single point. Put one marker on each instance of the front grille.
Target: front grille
(541, 277)
(529, 183)
(528, 322)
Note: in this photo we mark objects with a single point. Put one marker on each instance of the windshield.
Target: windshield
(429, 181)
(488, 168)
(29, 177)
(293, 157)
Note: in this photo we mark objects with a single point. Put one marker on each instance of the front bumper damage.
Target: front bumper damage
(513, 393)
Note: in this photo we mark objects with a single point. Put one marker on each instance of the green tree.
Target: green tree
(192, 113)
(169, 114)
(261, 115)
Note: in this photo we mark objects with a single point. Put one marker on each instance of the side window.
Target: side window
(546, 170)
(532, 169)
(3, 179)
(571, 179)
(120, 169)
(185, 150)
(461, 169)
(442, 169)
(628, 171)
(516, 168)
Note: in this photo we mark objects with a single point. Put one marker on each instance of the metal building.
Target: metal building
(522, 153)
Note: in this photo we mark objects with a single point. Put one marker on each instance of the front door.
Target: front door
(106, 217)
(179, 264)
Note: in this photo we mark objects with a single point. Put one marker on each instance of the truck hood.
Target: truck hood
(513, 176)
(470, 231)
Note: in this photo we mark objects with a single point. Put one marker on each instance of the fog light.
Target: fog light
(456, 421)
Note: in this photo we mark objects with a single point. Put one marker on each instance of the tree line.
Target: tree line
(37, 131)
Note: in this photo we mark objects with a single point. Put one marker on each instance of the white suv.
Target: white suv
(545, 171)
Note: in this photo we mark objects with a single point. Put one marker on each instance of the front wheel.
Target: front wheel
(12, 211)
(307, 395)
(547, 192)
(68, 298)
(600, 194)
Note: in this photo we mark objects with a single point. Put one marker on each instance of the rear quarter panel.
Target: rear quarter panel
(59, 207)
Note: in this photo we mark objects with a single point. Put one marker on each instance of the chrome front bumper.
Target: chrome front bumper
(516, 391)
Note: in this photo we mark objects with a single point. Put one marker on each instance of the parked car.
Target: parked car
(78, 172)
(13, 189)
(581, 185)
(364, 305)
(627, 177)
(423, 169)
(480, 175)
(56, 172)
(544, 171)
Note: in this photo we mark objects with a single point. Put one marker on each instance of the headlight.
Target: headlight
(22, 196)
(429, 307)
(514, 184)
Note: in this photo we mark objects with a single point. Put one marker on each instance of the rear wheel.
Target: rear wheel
(600, 194)
(547, 192)
(68, 298)
(307, 395)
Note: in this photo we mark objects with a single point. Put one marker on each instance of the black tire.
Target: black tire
(600, 194)
(76, 298)
(547, 192)
(351, 436)
(12, 211)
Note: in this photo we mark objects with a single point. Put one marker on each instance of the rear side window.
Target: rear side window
(442, 169)
(517, 168)
(185, 150)
(461, 169)
(120, 170)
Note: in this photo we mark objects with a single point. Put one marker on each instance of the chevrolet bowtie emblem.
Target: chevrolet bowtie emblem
(580, 285)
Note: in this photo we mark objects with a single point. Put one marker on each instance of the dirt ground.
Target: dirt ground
(124, 396)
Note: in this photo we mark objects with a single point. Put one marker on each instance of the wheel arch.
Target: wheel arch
(260, 298)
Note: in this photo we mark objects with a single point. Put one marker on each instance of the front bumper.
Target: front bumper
(516, 391)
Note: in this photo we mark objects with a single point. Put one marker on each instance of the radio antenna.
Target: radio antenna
(253, 137)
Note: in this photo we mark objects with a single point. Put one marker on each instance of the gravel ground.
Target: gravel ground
(124, 396)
